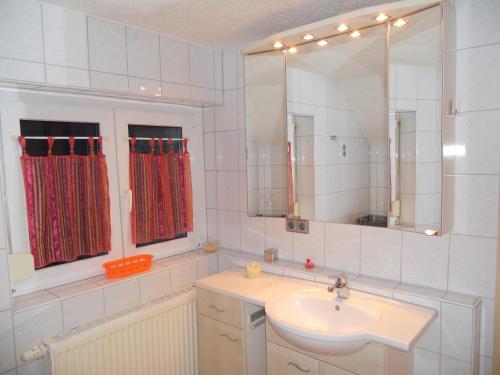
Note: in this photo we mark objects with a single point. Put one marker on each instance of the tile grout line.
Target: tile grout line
(88, 49)
(126, 57)
(472, 47)
(43, 46)
(159, 60)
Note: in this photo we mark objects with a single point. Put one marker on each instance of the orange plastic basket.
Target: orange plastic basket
(128, 266)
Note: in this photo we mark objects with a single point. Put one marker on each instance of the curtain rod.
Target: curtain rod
(47, 137)
(104, 138)
(155, 138)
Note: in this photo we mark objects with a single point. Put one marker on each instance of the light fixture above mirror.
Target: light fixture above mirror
(343, 27)
(381, 17)
(400, 22)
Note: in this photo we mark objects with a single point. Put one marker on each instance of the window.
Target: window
(65, 224)
(143, 146)
(39, 147)
(112, 123)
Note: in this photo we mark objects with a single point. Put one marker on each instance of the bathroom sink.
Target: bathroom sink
(317, 321)
(306, 315)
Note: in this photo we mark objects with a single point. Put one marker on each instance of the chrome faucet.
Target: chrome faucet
(340, 286)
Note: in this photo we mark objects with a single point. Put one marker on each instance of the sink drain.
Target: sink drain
(337, 307)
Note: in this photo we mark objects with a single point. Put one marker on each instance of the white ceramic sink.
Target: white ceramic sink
(306, 315)
(317, 321)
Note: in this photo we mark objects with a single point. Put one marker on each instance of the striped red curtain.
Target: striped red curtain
(162, 202)
(67, 201)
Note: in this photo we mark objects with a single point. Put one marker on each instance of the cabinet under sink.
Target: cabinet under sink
(231, 335)
(234, 338)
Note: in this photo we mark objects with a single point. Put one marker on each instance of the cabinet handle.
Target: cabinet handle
(258, 324)
(232, 339)
(218, 309)
(298, 367)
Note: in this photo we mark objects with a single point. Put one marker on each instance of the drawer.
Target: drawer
(220, 307)
(221, 348)
(370, 360)
(283, 361)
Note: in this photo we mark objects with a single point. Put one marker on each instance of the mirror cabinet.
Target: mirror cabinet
(347, 127)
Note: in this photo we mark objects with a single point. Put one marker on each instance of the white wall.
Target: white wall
(462, 261)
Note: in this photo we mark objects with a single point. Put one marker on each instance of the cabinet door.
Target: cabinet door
(283, 361)
(221, 348)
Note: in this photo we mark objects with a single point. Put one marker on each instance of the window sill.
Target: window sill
(65, 291)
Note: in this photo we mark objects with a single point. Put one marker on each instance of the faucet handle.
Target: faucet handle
(340, 280)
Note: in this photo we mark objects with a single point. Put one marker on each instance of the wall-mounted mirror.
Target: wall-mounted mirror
(265, 87)
(355, 136)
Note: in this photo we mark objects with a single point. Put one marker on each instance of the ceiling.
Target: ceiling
(217, 23)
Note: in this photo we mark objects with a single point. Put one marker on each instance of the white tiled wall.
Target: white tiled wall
(47, 44)
(464, 260)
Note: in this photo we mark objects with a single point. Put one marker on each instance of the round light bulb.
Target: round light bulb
(381, 17)
(322, 42)
(292, 50)
(342, 27)
(400, 22)
(308, 37)
(277, 44)
(430, 232)
(355, 34)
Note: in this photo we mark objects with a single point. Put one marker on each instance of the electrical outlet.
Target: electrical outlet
(297, 225)
(302, 226)
(291, 225)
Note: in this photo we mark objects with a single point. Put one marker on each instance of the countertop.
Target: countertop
(400, 325)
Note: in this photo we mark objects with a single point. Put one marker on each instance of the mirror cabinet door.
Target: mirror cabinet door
(337, 128)
(415, 105)
(266, 134)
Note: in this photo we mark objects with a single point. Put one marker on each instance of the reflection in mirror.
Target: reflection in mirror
(337, 129)
(415, 122)
(266, 134)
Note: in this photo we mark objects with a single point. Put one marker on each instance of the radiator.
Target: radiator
(158, 338)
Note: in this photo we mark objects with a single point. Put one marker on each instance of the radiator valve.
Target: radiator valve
(38, 352)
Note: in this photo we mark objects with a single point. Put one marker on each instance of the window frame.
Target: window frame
(16, 203)
(122, 119)
(156, 136)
